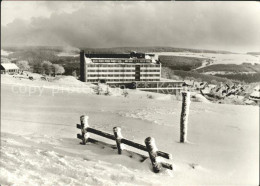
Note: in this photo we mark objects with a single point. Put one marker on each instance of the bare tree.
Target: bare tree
(57, 69)
(23, 65)
(37, 67)
(47, 67)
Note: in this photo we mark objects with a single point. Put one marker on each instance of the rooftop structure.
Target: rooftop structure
(131, 55)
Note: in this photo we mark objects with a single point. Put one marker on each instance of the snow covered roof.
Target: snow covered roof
(9, 66)
(255, 94)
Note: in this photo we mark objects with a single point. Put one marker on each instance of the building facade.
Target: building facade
(118, 68)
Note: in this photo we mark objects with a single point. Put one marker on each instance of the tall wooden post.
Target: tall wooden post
(118, 136)
(84, 126)
(152, 150)
(184, 116)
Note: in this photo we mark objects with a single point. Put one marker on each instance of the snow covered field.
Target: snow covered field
(39, 144)
(217, 58)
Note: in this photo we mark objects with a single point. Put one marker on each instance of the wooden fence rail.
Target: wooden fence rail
(149, 146)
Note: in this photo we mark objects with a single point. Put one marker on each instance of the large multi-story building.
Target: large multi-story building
(134, 71)
(118, 68)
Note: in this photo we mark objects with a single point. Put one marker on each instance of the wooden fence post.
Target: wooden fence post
(118, 136)
(84, 126)
(184, 116)
(152, 150)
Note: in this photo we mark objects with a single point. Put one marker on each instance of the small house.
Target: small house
(9, 68)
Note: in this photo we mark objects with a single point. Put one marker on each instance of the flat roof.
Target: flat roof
(116, 55)
(120, 60)
(108, 55)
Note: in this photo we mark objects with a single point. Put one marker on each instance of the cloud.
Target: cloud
(209, 25)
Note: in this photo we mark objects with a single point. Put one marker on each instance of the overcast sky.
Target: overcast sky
(233, 26)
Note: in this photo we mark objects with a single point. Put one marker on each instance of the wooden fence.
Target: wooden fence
(149, 146)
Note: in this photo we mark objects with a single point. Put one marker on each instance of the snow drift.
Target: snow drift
(39, 144)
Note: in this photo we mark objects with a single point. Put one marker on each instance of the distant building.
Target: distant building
(118, 68)
(9, 68)
(135, 71)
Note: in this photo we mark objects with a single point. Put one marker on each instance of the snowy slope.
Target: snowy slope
(39, 145)
(217, 58)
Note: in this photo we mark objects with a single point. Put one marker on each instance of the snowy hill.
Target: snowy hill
(217, 58)
(39, 144)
